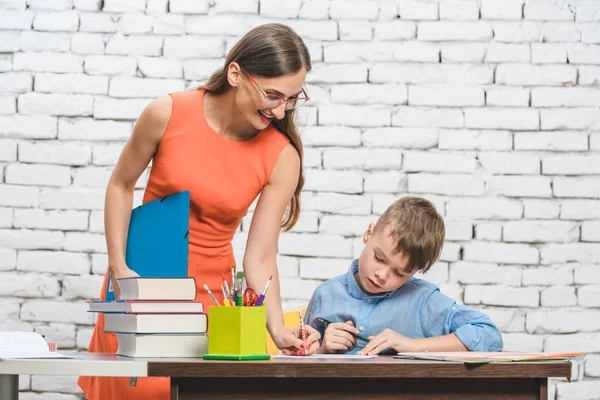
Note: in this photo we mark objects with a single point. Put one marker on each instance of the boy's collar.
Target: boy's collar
(354, 289)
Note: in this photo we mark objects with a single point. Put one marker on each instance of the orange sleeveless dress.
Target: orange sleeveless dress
(223, 177)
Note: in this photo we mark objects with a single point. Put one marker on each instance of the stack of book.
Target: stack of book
(156, 317)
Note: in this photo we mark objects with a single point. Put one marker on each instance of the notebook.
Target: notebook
(474, 357)
(157, 239)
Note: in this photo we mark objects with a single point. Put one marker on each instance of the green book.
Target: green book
(234, 357)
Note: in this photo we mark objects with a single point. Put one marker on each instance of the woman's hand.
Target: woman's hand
(339, 336)
(388, 339)
(118, 273)
(288, 339)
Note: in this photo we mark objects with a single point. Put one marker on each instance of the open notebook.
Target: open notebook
(474, 357)
(15, 345)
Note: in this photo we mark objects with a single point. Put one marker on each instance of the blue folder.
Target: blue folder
(157, 240)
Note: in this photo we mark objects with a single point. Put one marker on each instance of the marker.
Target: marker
(324, 321)
(212, 296)
(261, 298)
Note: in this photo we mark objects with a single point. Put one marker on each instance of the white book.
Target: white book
(159, 345)
(139, 288)
(14, 345)
(155, 323)
(144, 306)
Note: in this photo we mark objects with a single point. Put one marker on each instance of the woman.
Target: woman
(227, 142)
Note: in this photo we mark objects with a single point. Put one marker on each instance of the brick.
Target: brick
(565, 97)
(298, 290)
(51, 220)
(5, 62)
(85, 242)
(315, 30)
(520, 186)
(548, 53)
(588, 296)
(72, 198)
(338, 73)
(107, 154)
(47, 62)
(110, 65)
(509, 164)
(99, 264)
(135, 23)
(341, 10)
(139, 45)
(97, 22)
(336, 181)
(92, 130)
(590, 33)
(331, 136)
(488, 231)
(56, 262)
(418, 10)
(44, 41)
(157, 6)
(242, 7)
(559, 32)
(580, 209)
(582, 341)
(314, 10)
(8, 105)
(8, 259)
(6, 217)
(562, 321)
(576, 187)
(419, 73)
(507, 10)
(382, 201)
(583, 53)
(137, 87)
(17, 19)
(230, 25)
(454, 31)
(337, 203)
(18, 196)
(507, 97)
(517, 32)
(55, 311)
(438, 274)
(523, 343)
(458, 10)
(369, 94)
(463, 52)
(200, 69)
(501, 296)
(590, 231)
(498, 52)
(97, 222)
(571, 165)
(323, 268)
(129, 6)
(30, 239)
(16, 284)
(55, 153)
(448, 184)
(484, 208)
(355, 30)
(92, 176)
(540, 231)
(394, 30)
(558, 296)
(365, 158)
(450, 252)
(80, 287)
(438, 162)
(56, 104)
(527, 74)
(541, 209)
(127, 109)
(56, 21)
(350, 115)
(548, 276)
(71, 83)
(502, 118)
(507, 319)
(312, 158)
(314, 245)
(182, 47)
(16, 82)
(458, 230)
(189, 6)
(385, 182)
(565, 118)
(87, 43)
(569, 252)
(62, 334)
(589, 75)
(14, 4)
(446, 95)
(481, 273)
(544, 11)
(505, 253)
(551, 141)
(417, 138)
(451, 139)
(427, 117)
(37, 174)
(169, 24)
(344, 226)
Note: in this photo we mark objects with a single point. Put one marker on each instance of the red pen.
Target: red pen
(302, 332)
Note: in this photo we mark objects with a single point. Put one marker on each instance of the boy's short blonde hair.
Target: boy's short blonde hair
(417, 229)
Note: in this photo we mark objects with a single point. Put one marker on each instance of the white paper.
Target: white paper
(344, 356)
(16, 345)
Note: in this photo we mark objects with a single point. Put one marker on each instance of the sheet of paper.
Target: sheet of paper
(15, 345)
(482, 357)
(344, 356)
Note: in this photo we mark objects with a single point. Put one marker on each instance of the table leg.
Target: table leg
(9, 387)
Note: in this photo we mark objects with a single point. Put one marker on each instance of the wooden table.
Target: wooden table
(379, 378)
(306, 378)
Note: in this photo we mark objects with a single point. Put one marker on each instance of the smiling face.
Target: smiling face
(381, 270)
(250, 99)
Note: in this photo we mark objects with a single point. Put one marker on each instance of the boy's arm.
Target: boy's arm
(312, 313)
(446, 323)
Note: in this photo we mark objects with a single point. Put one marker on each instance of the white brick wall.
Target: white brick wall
(490, 109)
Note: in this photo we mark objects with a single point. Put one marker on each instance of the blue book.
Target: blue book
(157, 240)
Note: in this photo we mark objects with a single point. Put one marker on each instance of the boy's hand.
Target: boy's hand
(339, 336)
(388, 339)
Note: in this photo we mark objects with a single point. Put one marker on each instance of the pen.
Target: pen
(212, 296)
(324, 321)
(261, 298)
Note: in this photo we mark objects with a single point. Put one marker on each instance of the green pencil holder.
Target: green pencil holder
(237, 330)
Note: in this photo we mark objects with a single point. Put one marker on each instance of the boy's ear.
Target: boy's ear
(368, 233)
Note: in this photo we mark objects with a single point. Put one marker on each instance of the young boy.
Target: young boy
(378, 306)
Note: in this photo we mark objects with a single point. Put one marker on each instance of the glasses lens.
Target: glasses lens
(295, 103)
(272, 101)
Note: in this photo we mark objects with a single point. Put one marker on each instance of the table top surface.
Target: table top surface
(102, 364)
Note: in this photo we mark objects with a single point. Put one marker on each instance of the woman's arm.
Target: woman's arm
(134, 159)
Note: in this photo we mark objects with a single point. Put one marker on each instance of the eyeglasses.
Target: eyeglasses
(271, 100)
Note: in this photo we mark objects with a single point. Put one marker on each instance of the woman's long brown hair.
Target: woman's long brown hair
(270, 50)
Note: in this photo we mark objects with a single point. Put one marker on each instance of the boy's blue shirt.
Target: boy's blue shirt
(416, 310)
